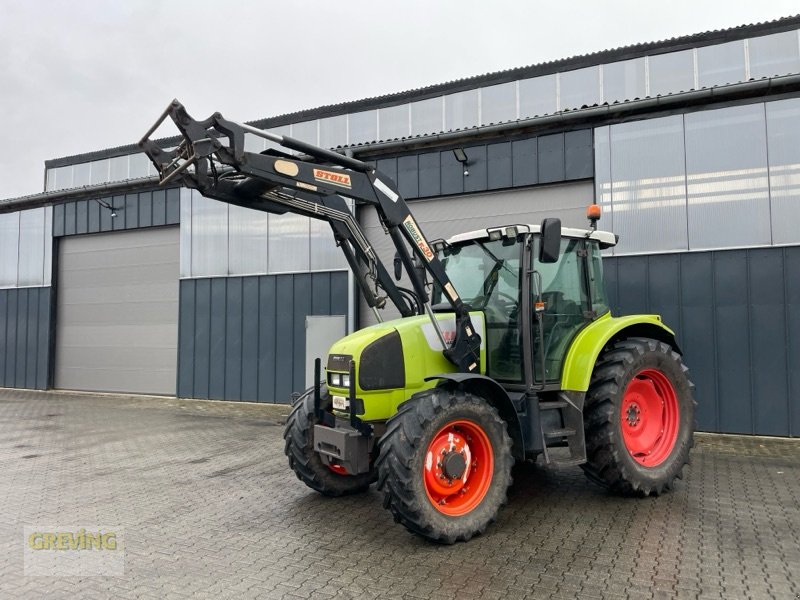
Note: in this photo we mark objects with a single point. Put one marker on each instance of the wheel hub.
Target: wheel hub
(458, 467)
(454, 464)
(650, 417)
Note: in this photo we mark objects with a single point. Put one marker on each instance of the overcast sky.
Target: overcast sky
(83, 75)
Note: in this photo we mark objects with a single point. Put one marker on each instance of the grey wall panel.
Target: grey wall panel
(233, 338)
(388, 166)
(159, 207)
(117, 312)
(792, 279)
(578, 154)
(551, 158)
(70, 225)
(250, 326)
(284, 338)
(173, 206)
(58, 220)
(134, 211)
(218, 332)
(735, 313)
(300, 308)
(202, 336)
(499, 165)
(82, 216)
(430, 174)
(267, 338)
(25, 317)
(476, 180)
(452, 174)
(732, 342)
(525, 162)
(186, 342)
(408, 176)
(22, 337)
(261, 333)
(11, 338)
(768, 342)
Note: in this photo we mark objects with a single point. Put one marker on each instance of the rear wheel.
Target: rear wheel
(331, 480)
(445, 464)
(639, 418)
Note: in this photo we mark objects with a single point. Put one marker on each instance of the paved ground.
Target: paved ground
(210, 509)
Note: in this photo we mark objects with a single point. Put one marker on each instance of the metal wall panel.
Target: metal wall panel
(499, 103)
(551, 165)
(243, 338)
(735, 313)
(538, 96)
(476, 166)
(25, 335)
(624, 80)
(248, 246)
(500, 165)
(209, 236)
(579, 88)
(134, 211)
(427, 116)
(648, 189)
(525, 162)
(461, 110)
(671, 72)
(288, 243)
(776, 54)
(726, 170)
(430, 168)
(720, 64)
(393, 122)
(783, 143)
(9, 248)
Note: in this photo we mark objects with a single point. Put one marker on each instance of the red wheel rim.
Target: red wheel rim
(650, 417)
(456, 442)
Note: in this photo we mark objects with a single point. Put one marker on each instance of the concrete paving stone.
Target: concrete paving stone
(210, 510)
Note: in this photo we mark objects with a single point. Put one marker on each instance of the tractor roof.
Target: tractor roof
(606, 238)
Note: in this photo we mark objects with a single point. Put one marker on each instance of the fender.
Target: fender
(494, 394)
(590, 341)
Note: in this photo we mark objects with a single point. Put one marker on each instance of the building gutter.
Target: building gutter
(81, 193)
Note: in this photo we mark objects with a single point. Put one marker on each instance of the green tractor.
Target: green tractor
(505, 351)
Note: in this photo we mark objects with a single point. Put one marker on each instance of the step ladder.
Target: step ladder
(571, 411)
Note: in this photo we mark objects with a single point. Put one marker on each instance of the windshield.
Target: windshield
(483, 272)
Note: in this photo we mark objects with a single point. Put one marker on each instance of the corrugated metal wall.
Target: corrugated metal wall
(243, 338)
(25, 336)
(135, 210)
(737, 317)
(544, 159)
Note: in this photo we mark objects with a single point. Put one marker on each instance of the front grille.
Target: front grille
(339, 362)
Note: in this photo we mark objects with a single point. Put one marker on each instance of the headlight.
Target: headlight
(345, 379)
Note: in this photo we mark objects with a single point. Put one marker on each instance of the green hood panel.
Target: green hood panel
(422, 357)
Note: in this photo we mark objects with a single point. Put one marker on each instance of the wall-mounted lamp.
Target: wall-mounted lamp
(110, 207)
(461, 157)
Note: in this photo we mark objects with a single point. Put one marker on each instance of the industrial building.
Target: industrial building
(691, 146)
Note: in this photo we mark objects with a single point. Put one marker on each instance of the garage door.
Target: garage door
(117, 319)
(444, 217)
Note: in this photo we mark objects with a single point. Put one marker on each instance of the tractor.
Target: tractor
(505, 350)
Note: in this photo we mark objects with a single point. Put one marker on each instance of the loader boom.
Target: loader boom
(212, 159)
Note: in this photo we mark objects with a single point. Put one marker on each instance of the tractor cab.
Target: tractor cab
(535, 292)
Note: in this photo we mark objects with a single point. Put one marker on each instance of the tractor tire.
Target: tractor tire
(445, 465)
(639, 418)
(306, 463)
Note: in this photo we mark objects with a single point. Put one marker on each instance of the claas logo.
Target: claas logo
(332, 177)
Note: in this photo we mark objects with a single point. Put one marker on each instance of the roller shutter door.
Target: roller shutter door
(117, 316)
(444, 217)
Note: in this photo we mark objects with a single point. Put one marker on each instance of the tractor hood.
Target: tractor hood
(394, 358)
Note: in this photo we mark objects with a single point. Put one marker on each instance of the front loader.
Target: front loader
(505, 350)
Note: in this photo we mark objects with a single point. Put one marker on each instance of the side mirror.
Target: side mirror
(550, 240)
(398, 267)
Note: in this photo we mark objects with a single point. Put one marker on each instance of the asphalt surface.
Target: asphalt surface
(209, 508)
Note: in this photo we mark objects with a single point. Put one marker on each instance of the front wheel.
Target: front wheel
(328, 480)
(445, 465)
(639, 418)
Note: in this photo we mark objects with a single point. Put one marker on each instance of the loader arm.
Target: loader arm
(212, 159)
